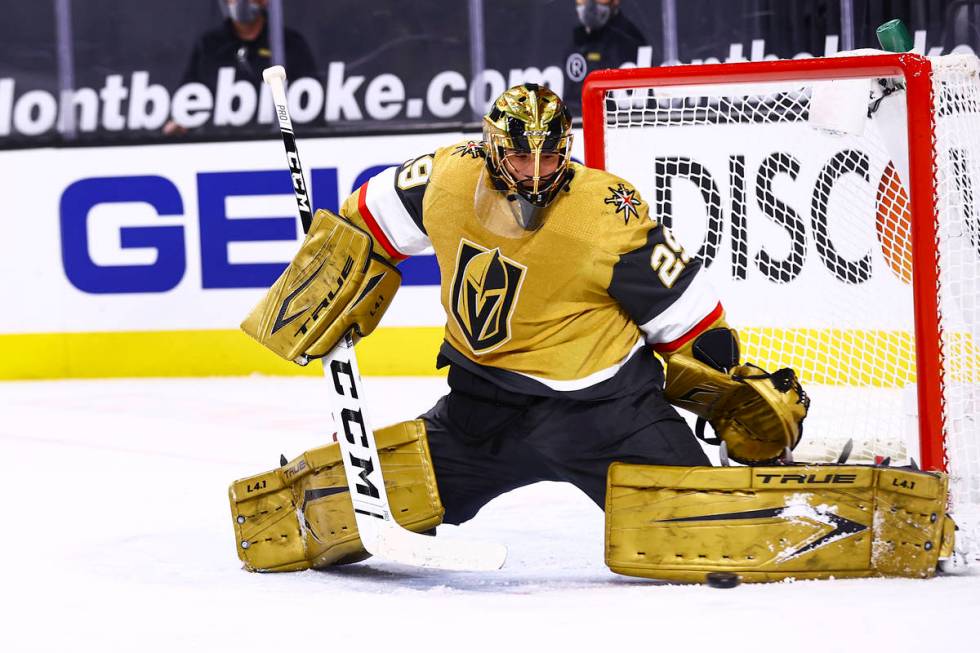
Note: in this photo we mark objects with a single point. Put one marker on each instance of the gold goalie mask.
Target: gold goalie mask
(528, 139)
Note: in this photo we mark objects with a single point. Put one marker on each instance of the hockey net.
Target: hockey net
(834, 202)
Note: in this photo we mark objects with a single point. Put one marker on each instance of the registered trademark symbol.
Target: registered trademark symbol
(576, 67)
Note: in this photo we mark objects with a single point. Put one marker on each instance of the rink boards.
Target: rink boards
(142, 261)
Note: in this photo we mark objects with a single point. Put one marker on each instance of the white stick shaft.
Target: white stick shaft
(355, 435)
(380, 533)
(275, 77)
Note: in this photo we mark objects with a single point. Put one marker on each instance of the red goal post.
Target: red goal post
(915, 72)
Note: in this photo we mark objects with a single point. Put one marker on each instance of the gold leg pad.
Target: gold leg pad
(771, 523)
(299, 516)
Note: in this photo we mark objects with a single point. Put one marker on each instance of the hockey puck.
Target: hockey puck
(723, 579)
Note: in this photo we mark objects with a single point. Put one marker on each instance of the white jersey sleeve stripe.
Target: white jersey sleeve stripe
(392, 217)
(591, 379)
(698, 301)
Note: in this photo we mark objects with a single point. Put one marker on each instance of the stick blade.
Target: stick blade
(392, 542)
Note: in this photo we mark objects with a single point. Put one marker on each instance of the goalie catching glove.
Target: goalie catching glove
(333, 285)
(758, 415)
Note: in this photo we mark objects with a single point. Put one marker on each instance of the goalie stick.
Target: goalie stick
(380, 534)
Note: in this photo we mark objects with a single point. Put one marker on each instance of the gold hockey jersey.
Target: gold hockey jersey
(564, 310)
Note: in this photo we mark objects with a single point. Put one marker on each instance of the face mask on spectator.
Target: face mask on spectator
(243, 11)
(593, 15)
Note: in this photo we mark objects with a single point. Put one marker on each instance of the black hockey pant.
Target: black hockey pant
(489, 442)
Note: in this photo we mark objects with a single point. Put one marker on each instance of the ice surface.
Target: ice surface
(117, 536)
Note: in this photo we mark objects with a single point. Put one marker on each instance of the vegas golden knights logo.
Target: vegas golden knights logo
(485, 289)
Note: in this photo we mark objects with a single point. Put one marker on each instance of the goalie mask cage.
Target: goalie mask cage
(834, 203)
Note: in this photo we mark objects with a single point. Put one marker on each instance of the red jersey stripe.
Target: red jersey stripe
(674, 345)
(373, 226)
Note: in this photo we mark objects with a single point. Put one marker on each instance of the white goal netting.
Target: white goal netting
(796, 195)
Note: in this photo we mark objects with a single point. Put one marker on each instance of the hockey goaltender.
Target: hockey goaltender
(557, 283)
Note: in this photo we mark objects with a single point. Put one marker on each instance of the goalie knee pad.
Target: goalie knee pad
(771, 523)
(300, 515)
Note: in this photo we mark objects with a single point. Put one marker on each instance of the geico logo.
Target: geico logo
(169, 240)
(806, 479)
(807, 208)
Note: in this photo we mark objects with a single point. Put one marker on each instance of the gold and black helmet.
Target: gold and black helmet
(532, 123)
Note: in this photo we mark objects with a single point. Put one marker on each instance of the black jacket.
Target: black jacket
(221, 47)
(609, 47)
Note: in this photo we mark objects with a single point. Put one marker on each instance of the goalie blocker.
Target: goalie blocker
(333, 285)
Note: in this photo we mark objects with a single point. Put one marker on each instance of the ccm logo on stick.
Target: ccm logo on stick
(360, 457)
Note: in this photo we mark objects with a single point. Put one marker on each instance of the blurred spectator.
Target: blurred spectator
(242, 42)
(605, 38)
(961, 25)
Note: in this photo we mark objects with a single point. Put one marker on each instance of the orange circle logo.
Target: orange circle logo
(893, 223)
